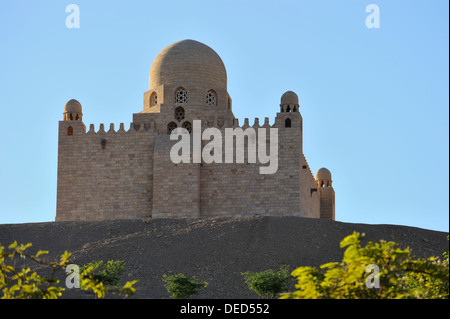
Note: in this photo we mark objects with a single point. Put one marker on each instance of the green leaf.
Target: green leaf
(41, 252)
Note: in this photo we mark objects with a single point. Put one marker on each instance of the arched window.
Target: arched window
(71, 117)
(153, 99)
(179, 114)
(180, 95)
(77, 117)
(287, 123)
(211, 97)
(288, 109)
(171, 126)
(70, 131)
(188, 126)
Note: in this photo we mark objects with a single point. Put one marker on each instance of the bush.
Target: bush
(108, 273)
(425, 285)
(269, 283)
(399, 275)
(183, 287)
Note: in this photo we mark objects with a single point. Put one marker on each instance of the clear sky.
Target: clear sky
(374, 101)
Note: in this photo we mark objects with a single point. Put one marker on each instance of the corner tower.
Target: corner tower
(290, 120)
(326, 193)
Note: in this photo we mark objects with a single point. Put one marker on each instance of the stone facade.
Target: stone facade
(128, 173)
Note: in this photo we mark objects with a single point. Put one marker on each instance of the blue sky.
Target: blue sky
(375, 102)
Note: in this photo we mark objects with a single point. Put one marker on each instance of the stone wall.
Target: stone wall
(110, 181)
(130, 175)
(176, 186)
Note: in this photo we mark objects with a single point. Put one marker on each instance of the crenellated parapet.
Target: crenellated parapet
(292, 120)
(79, 129)
(306, 166)
(133, 128)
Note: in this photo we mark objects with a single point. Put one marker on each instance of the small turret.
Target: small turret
(72, 119)
(72, 111)
(289, 102)
(323, 178)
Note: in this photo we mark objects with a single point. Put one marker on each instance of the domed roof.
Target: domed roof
(323, 174)
(72, 106)
(289, 98)
(185, 62)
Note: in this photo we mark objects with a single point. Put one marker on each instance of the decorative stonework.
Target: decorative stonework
(181, 96)
(211, 98)
(179, 114)
(171, 126)
(188, 126)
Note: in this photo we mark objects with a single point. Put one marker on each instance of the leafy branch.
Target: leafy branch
(27, 284)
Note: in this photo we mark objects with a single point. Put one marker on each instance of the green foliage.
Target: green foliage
(108, 273)
(426, 285)
(399, 275)
(269, 283)
(181, 286)
(26, 284)
(445, 254)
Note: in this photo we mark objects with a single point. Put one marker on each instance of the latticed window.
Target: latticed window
(171, 126)
(153, 99)
(211, 98)
(179, 114)
(188, 126)
(180, 96)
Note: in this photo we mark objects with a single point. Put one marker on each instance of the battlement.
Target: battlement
(74, 127)
(134, 127)
(307, 167)
(284, 121)
(255, 123)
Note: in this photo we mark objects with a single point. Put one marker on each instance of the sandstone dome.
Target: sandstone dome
(289, 98)
(72, 106)
(185, 62)
(323, 174)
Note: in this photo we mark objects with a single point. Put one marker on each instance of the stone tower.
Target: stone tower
(326, 193)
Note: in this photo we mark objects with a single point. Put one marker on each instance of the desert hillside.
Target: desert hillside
(215, 250)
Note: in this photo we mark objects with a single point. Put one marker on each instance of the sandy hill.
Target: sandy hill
(216, 250)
